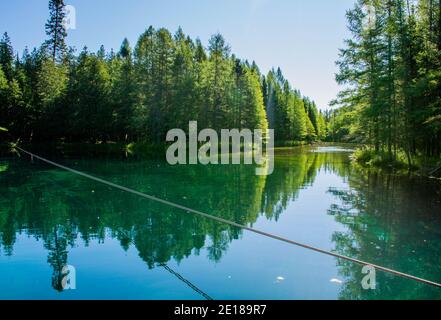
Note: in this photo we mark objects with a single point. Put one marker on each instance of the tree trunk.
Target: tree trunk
(439, 24)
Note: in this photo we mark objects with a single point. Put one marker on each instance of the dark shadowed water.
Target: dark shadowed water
(126, 247)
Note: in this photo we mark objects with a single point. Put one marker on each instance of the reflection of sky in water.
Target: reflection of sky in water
(321, 201)
(251, 267)
(331, 149)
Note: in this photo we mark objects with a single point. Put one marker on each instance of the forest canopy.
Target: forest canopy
(139, 93)
(391, 70)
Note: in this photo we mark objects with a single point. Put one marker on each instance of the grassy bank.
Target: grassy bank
(369, 158)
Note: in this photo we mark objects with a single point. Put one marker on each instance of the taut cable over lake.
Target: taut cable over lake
(231, 223)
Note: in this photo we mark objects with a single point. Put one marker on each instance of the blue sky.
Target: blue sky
(300, 36)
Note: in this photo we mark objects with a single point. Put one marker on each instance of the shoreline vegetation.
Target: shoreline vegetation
(367, 158)
(141, 149)
(127, 100)
(391, 72)
(364, 157)
(54, 94)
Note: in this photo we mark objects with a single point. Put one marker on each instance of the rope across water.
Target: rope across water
(232, 223)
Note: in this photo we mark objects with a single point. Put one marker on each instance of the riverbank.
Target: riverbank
(119, 149)
(92, 223)
(380, 160)
(362, 156)
(114, 149)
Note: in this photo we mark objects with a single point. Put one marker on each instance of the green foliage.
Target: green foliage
(89, 94)
(368, 157)
(344, 126)
(3, 95)
(286, 110)
(139, 95)
(3, 80)
(51, 86)
(55, 29)
(6, 56)
(390, 67)
(3, 167)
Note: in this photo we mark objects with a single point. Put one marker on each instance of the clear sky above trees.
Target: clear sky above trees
(302, 37)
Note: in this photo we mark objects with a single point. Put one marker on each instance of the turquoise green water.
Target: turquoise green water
(126, 247)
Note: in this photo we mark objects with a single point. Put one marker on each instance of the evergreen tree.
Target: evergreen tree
(166, 82)
(144, 76)
(4, 121)
(184, 98)
(50, 119)
(92, 118)
(162, 87)
(6, 56)
(392, 66)
(55, 29)
(218, 77)
(285, 109)
(123, 92)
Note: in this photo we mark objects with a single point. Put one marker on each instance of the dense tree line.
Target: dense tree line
(64, 213)
(138, 94)
(294, 118)
(392, 71)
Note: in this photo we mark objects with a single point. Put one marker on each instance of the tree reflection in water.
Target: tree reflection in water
(385, 215)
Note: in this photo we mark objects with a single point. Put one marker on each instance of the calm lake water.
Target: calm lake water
(126, 247)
